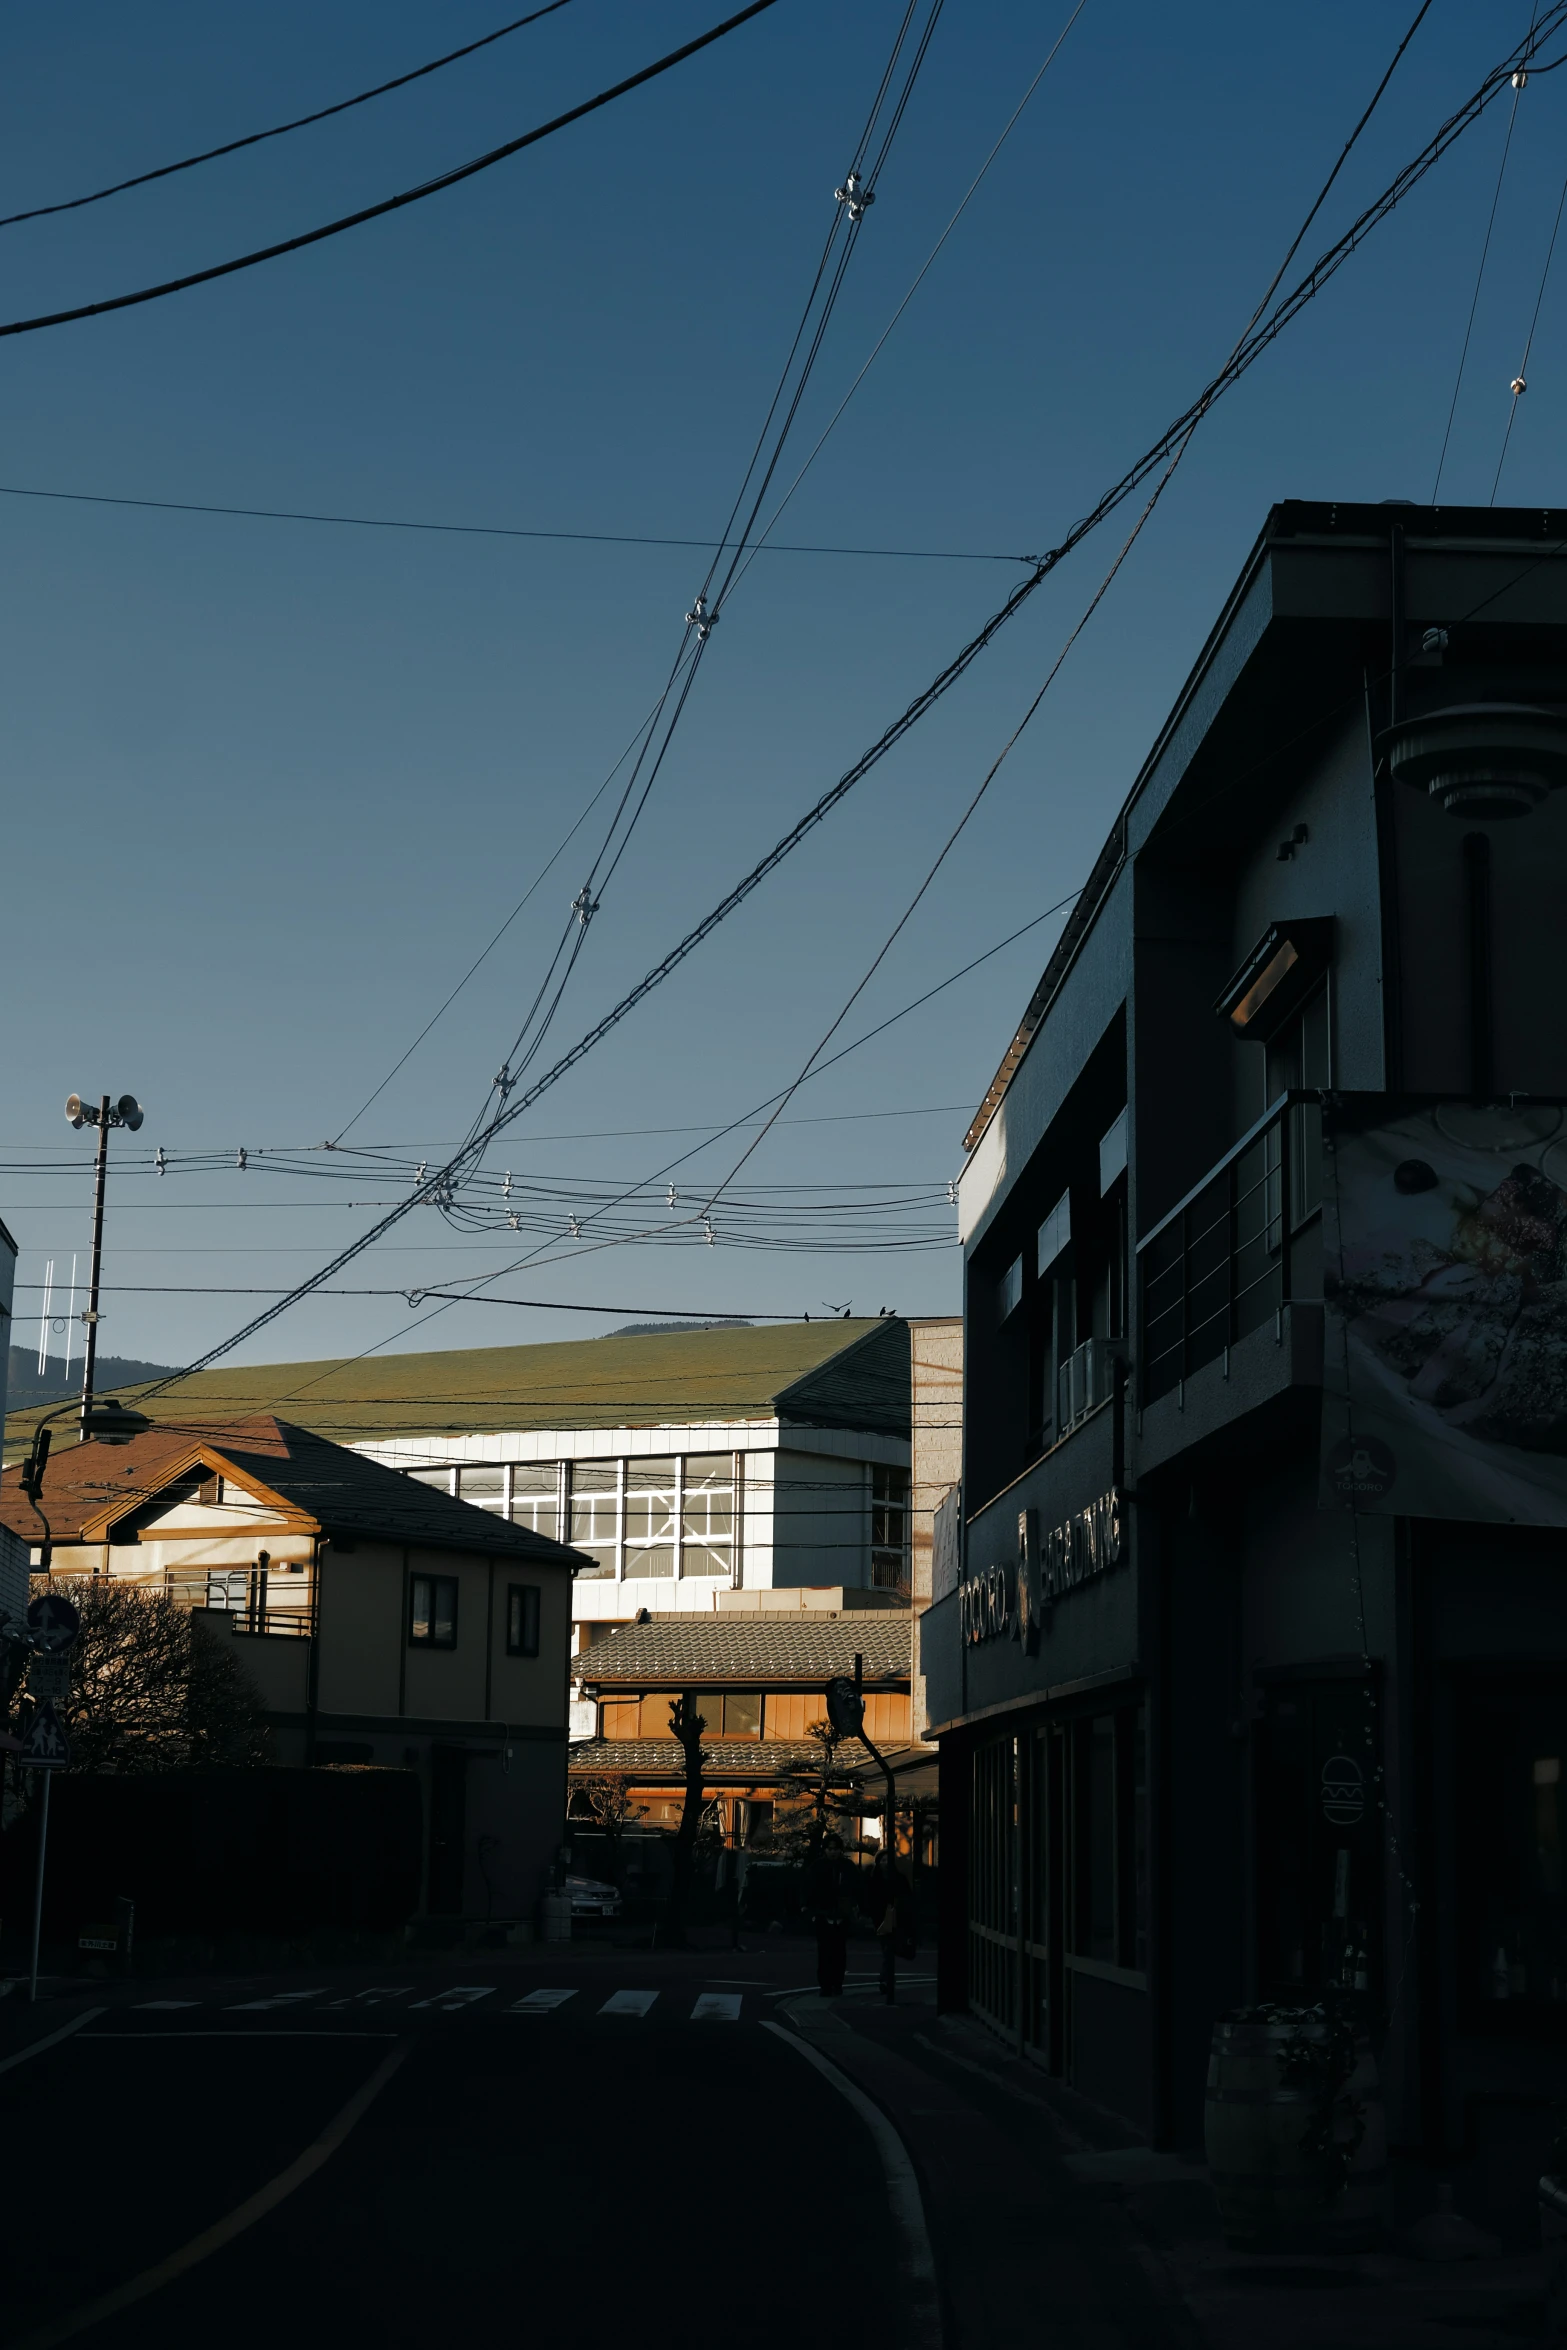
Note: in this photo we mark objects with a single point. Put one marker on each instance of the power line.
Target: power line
(1521, 379)
(1258, 339)
(1519, 79)
(498, 530)
(431, 187)
(301, 122)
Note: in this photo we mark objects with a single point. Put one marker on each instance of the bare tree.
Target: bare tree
(812, 1789)
(606, 1798)
(687, 1725)
(150, 1689)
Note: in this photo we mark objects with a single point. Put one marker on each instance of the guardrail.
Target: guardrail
(1222, 1262)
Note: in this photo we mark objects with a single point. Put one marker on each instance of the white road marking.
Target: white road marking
(278, 1999)
(240, 2032)
(224, 2231)
(717, 2007)
(903, 2194)
(146, 2006)
(628, 2003)
(460, 1995)
(38, 2046)
(374, 1996)
(537, 2002)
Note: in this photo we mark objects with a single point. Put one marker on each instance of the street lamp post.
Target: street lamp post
(110, 1421)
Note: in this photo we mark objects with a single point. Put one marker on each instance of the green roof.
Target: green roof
(820, 1374)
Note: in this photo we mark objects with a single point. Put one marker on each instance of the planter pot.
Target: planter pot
(555, 1918)
(1297, 2162)
(1553, 2238)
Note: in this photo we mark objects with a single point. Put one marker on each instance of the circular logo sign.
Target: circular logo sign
(1362, 1468)
(53, 1622)
(1343, 1790)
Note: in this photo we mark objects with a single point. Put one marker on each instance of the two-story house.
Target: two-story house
(1249, 1669)
(379, 1621)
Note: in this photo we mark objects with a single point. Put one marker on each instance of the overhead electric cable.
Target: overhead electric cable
(497, 530)
(301, 122)
(1520, 382)
(1519, 78)
(1252, 345)
(416, 195)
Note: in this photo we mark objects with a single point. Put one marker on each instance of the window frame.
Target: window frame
(518, 1615)
(432, 1638)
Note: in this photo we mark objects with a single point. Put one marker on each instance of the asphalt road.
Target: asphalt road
(445, 2166)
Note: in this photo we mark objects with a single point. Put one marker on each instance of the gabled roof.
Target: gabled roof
(727, 1758)
(819, 1374)
(315, 1486)
(750, 1652)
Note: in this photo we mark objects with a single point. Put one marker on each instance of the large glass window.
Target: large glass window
(708, 1514)
(535, 1490)
(443, 1480)
(484, 1486)
(650, 1518)
(595, 1513)
(889, 1527)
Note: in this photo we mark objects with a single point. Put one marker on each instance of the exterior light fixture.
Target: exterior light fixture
(1481, 759)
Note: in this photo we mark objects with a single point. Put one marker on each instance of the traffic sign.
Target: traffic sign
(53, 1622)
(49, 1677)
(45, 1748)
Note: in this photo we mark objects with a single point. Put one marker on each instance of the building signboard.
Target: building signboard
(1445, 1280)
(1008, 1601)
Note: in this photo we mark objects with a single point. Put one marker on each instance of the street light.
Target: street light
(111, 1423)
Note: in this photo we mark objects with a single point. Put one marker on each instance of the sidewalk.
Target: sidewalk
(1043, 2209)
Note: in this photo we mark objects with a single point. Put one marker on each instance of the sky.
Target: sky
(271, 786)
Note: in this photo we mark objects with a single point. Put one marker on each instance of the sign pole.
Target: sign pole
(38, 1886)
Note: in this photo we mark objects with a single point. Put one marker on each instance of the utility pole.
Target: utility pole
(112, 1422)
(100, 1178)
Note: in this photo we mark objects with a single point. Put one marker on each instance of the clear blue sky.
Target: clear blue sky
(269, 786)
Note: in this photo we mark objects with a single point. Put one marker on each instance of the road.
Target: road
(595, 2148)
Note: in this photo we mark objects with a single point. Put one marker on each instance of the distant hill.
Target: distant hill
(25, 1387)
(657, 1329)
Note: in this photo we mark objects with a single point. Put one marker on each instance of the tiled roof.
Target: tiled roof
(89, 1487)
(823, 1374)
(727, 1758)
(755, 1652)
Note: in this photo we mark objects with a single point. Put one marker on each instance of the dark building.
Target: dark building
(1249, 1669)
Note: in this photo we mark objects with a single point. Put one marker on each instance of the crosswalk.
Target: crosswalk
(634, 2001)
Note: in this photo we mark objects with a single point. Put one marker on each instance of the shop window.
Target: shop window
(889, 1527)
(1319, 1839)
(522, 1619)
(432, 1611)
(1107, 1820)
(535, 1496)
(595, 1515)
(1511, 1910)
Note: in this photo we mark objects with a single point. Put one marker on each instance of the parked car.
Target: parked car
(590, 1899)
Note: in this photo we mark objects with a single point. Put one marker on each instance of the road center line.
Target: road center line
(903, 2194)
(223, 2231)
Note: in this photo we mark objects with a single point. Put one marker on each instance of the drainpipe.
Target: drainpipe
(313, 1669)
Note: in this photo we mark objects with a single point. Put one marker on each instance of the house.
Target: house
(1249, 1670)
(380, 1622)
(760, 1680)
(682, 1464)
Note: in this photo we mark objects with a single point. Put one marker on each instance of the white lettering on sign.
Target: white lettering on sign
(997, 1602)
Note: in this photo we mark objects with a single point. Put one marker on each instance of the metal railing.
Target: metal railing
(1222, 1263)
(286, 1623)
(1083, 1382)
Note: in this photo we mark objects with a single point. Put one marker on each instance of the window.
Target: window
(484, 1486)
(229, 1589)
(595, 1514)
(889, 1527)
(1298, 1056)
(443, 1480)
(650, 1518)
(1107, 1870)
(707, 1516)
(735, 1715)
(1055, 1233)
(432, 1611)
(1009, 1289)
(1112, 1154)
(522, 1620)
(535, 1497)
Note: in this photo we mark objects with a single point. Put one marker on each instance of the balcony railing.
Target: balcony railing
(1083, 1382)
(1223, 1263)
(286, 1623)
